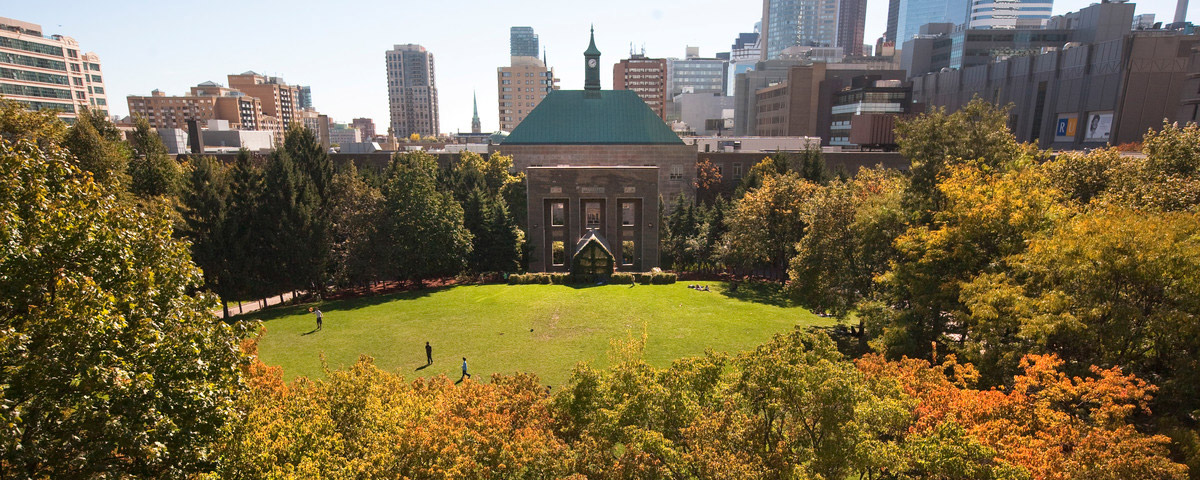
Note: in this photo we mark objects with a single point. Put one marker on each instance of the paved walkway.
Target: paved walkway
(253, 305)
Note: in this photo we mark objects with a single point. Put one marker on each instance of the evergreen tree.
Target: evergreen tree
(314, 182)
(246, 244)
(205, 203)
(284, 219)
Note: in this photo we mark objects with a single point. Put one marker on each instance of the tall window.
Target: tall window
(627, 252)
(558, 253)
(591, 214)
(558, 214)
(676, 172)
(627, 214)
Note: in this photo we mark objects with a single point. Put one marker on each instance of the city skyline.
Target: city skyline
(340, 56)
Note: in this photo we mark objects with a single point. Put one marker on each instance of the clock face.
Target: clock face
(592, 62)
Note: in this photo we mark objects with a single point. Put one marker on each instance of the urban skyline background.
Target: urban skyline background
(340, 54)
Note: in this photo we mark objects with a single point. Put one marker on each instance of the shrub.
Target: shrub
(622, 278)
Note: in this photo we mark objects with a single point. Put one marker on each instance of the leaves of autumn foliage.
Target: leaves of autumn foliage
(111, 365)
(1049, 424)
(792, 408)
(364, 422)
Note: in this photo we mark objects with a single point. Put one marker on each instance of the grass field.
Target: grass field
(544, 329)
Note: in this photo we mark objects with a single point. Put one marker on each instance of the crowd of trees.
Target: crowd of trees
(992, 251)
(292, 221)
(794, 407)
(1014, 314)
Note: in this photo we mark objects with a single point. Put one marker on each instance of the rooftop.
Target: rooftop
(591, 117)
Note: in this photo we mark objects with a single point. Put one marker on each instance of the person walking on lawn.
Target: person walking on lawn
(317, 310)
(428, 354)
(465, 374)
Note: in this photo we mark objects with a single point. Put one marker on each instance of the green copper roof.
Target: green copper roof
(590, 117)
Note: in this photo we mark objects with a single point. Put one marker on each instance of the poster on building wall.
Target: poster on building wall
(1064, 131)
(1099, 125)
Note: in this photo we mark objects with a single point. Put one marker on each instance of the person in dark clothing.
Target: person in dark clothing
(428, 354)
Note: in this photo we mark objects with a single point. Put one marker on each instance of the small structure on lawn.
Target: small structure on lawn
(592, 256)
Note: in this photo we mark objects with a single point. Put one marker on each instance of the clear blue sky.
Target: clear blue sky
(337, 47)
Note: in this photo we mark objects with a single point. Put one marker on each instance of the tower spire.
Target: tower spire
(476, 126)
(592, 64)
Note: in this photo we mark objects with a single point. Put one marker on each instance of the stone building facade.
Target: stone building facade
(619, 204)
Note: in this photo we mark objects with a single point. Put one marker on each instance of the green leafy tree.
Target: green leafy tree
(768, 222)
(96, 145)
(987, 217)
(1114, 287)
(424, 229)
(152, 172)
(110, 364)
(357, 209)
(848, 241)
(975, 135)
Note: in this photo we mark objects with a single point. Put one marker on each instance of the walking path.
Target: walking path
(253, 305)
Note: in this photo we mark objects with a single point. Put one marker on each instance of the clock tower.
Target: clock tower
(592, 66)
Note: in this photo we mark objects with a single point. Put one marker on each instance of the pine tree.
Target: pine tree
(205, 203)
(314, 182)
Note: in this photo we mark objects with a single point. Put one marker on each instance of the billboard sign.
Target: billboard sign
(1064, 130)
(1098, 127)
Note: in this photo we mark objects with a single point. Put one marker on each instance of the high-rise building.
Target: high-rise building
(893, 16)
(522, 42)
(645, 76)
(279, 99)
(808, 23)
(48, 73)
(743, 54)
(911, 14)
(412, 91)
(305, 97)
(1009, 13)
(206, 101)
(693, 74)
(852, 21)
(366, 126)
(520, 87)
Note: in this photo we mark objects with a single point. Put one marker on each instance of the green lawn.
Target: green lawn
(544, 329)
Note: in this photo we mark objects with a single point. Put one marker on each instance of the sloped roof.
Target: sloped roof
(589, 237)
(591, 117)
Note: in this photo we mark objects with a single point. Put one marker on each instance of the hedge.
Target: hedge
(620, 278)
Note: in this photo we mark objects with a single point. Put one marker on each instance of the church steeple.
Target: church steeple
(592, 64)
(476, 127)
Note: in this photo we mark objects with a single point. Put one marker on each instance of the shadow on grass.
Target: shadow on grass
(422, 367)
(315, 330)
(851, 345)
(334, 306)
(769, 293)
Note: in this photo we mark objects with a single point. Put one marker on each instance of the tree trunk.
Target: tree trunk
(224, 306)
(239, 307)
